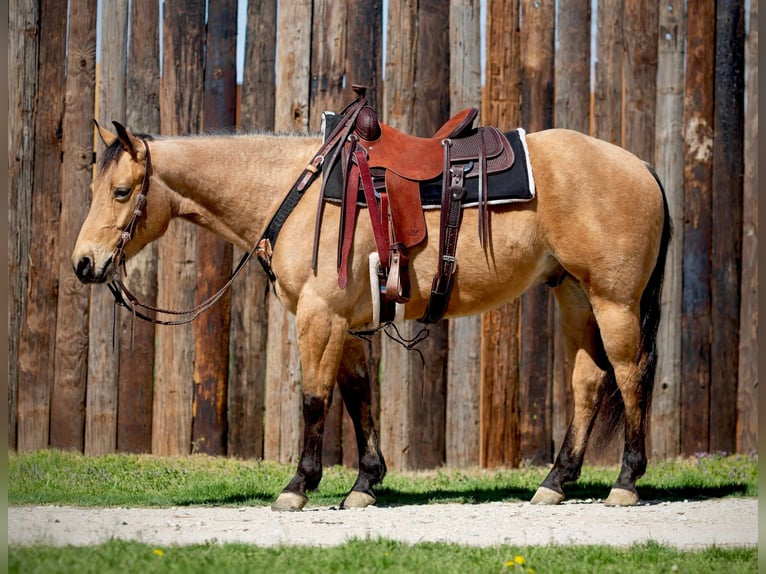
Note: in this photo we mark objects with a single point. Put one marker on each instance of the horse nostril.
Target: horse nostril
(84, 268)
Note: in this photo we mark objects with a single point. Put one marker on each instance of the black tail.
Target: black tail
(612, 409)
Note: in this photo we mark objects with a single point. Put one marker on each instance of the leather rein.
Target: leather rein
(262, 249)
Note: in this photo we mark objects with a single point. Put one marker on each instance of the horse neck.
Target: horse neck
(230, 184)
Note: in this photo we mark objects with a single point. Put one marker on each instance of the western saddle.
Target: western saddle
(387, 167)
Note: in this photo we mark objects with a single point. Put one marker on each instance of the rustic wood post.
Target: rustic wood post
(501, 106)
(214, 265)
(104, 350)
(291, 114)
(608, 125)
(418, 62)
(364, 59)
(464, 358)
(180, 113)
(23, 47)
(37, 338)
(142, 114)
(747, 396)
(607, 104)
(698, 154)
(71, 371)
(728, 146)
(665, 428)
(328, 74)
(536, 340)
(249, 295)
(571, 110)
(640, 31)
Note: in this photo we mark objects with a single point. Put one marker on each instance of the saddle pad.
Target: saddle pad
(512, 185)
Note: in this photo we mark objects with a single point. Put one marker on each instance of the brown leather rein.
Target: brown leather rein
(263, 248)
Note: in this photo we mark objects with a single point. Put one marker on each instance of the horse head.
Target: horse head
(124, 216)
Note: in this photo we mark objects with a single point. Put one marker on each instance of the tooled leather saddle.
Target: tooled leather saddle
(387, 171)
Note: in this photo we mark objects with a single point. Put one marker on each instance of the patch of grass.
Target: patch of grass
(57, 477)
(377, 556)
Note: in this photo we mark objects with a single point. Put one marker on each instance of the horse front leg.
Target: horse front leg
(354, 383)
(320, 339)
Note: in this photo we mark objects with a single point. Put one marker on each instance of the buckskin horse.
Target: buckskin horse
(597, 231)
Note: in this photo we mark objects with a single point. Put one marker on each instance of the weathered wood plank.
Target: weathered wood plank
(37, 337)
(536, 340)
(364, 59)
(640, 29)
(607, 104)
(23, 45)
(328, 74)
(572, 111)
(291, 114)
(211, 329)
(572, 77)
(697, 224)
(608, 125)
(180, 113)
(364, 56)
(103, 350)
(426, 64)
(71, 360)
(728, 146)
(328, 60)
(747, 379)
(464, 357)
(136, 383)
(249, 296)
(665, 429)
(501, 106)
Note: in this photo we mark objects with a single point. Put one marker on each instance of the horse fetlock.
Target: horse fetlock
(357, 499)
(545, 495)
(289, 502)
(621, 497)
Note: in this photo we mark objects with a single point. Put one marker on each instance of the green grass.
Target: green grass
(360, 556)
(56, 477)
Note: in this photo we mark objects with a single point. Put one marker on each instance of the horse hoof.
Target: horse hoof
(545, 495)
(356, 499)
(289, 502)
(621, 497)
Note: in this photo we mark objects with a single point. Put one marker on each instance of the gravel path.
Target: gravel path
(688, 524)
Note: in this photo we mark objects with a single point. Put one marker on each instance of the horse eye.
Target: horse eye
(121, 193)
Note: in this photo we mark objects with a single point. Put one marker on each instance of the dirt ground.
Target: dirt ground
(687, 524)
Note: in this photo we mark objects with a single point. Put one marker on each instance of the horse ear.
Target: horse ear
(106, 136)
(130, 142)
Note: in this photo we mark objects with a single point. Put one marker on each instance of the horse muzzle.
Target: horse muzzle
(88, 272)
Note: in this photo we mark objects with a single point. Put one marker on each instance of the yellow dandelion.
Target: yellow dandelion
(509, 564)
(519, 560)
(158, 552)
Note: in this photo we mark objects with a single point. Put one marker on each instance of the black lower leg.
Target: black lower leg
(567, 466)
(309, 472)
(357, 399)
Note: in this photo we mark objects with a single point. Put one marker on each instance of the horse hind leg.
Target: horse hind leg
(620, 327)
(588, 371)
(354, 383)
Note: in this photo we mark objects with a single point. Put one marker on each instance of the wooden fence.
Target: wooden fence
(492, 390)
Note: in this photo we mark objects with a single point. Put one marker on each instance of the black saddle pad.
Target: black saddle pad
(509, 186)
